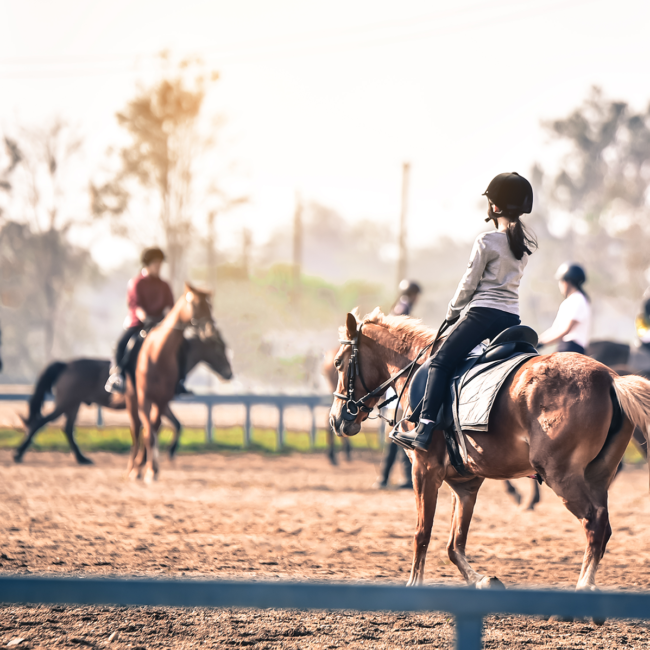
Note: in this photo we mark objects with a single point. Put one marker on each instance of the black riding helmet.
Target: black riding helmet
(511, 193)
(409, 287)
(150, 255)
(572, 273)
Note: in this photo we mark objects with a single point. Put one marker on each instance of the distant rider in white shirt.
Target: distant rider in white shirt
(573, 321)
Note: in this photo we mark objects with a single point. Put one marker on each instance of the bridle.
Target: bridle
(352, 406)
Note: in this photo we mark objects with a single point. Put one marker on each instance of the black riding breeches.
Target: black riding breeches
(476, 325)
(122, 357)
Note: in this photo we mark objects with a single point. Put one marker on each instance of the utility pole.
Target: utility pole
(401, 259)
(247, 240)
(211, 253)
(297, 247)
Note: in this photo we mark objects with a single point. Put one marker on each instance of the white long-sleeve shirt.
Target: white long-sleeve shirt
(492, 278)
(574, 308)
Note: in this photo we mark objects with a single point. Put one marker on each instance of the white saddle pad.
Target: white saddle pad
(478, 391)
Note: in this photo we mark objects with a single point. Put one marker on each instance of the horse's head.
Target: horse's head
(206, 344)
(360, 371)
(196, 308)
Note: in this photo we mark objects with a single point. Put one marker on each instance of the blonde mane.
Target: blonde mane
(403, 328)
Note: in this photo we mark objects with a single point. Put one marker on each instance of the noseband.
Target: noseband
(352, 407)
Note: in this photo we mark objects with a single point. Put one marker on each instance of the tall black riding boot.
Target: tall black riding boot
(434, 394)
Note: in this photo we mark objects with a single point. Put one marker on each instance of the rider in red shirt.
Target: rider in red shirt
(149, 298)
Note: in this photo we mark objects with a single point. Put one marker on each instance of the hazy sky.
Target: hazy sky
(328, 98)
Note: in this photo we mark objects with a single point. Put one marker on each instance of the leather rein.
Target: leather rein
(353, 406)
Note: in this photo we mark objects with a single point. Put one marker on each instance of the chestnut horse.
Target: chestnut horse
(156, 376)
(331, 377)
(556, 415)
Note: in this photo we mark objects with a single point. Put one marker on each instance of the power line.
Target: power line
(316, 43)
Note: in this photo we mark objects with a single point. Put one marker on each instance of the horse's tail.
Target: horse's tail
(633, 393)
(43, 386)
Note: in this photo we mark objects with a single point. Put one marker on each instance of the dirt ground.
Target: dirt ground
(251, 516)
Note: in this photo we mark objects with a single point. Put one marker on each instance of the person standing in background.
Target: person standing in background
(570, 330)
(409, 293)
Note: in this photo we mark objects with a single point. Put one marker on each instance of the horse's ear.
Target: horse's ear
(199, 292)
(351, 326)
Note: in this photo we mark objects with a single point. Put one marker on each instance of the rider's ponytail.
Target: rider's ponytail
(520, 240)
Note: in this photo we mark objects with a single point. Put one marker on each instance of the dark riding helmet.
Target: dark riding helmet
(151, 255)
(410, 287)
(511, 193)
(572, 273)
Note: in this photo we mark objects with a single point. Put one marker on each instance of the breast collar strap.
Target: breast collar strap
(352, 407)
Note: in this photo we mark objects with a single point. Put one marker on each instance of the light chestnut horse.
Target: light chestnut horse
(554, 416)
(156, 376)
(332, 377)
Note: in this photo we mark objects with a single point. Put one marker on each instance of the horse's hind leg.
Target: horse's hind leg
(136, 455)
(173, 448)
(534, 497)
(512, 491)
(590, 507)
(33, 430)
(463, 499)
(427, 480)
(71, 417)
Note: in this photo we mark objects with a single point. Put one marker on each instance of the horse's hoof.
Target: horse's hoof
(18, 458)
(84, 460)
(150, 477)
(489, 583)
(560, 619)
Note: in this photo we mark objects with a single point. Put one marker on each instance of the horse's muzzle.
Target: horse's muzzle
(344, 427)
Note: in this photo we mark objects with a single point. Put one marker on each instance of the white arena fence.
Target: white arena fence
(468, 606)
(280, 401)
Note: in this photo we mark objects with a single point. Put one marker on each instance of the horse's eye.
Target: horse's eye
(337, 364)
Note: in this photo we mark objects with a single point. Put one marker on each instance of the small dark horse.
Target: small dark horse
(82, 381)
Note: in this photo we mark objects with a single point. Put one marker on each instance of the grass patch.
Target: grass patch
(118, 439)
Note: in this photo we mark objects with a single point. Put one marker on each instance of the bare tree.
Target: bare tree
(601, 189)
(44, 206)
(166, 155)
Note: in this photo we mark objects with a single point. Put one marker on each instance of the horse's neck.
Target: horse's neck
(171, 327)
(397, 353)
(194, 356)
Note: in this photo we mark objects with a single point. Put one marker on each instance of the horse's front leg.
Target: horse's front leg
(463, 500)
(428, 475)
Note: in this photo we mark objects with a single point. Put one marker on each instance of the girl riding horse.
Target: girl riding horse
(490, 287)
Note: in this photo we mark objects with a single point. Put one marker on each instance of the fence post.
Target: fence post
(469, 633)
(208, 424)
(280, 425)
(247, 426)
(312, 433)
(100, 416)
